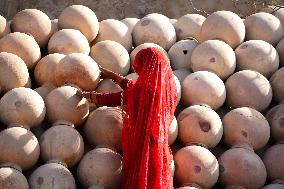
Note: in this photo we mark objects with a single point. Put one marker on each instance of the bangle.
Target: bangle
(92, 93)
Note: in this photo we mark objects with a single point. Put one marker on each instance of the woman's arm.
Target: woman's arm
(123, 82)
(109, 99)
(118, 79)
(102, 99)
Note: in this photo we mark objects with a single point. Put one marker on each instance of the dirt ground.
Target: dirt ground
(119, 9)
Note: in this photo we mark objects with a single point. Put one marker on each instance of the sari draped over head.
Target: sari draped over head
(149, 106)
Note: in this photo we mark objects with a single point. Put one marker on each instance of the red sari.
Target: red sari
(149, 105)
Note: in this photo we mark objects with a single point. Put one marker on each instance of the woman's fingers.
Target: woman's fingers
(86, 95)
(101, 68)
(103, 73)
(104, 70)
(79, 93)
(83, 94)
(90, 96)
(107, 74)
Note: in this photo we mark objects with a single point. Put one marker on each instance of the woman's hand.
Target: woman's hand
(90, 96)
(107, 74)
(80, 93)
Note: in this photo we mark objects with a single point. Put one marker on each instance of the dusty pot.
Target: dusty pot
(44, 70)
(101, 167)
(241, 167)
(115, 30)
(195, 164)
(22, 45)
(215, 56)
(81, 18)
(246, 126)
(274, 162)
(62, 143)
(71, 108)
(22, 106)
(248, 88)
(13, 72)
(180, 54)
(19, 146)
(5, 27)
(277, 84)
(257, 55)
(256, 23)
(275, 117)
(223, 25)
(189, 25)
(12, 178)
(104, 126)
(33, 22)
(200, 124)
(111, 55)
(78, 69)
(67, 41)
(197, 86)
(154, 28)
(52, 175)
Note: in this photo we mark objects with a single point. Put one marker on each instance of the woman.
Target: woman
(149, 105)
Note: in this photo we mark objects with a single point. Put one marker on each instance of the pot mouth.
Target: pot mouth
(204, 105)
(72, 85)
(191, 38)
(107, 146)
(191, 184)
(48, 85)
(244, 146)
(60, 162)
(196, 144)
(278, 181)
(234, 187)
(19, 125)
(96, 187)
(63, 122)
(11, 165)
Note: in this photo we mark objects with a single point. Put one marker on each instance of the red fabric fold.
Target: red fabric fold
(149, 106)
(150, 110)
(109, 99)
